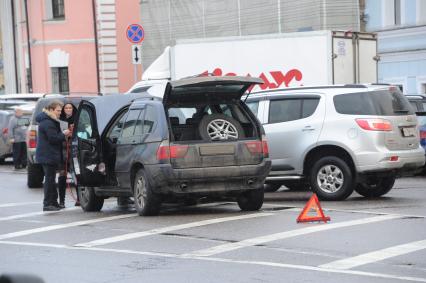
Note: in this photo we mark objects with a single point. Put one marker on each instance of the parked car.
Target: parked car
(421, 117)
(198, 141)
(5, 116)
(35, 171)
(5, 146)
(338, 139)
(418, 102)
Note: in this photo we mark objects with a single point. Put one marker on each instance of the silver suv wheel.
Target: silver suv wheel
(330, 178)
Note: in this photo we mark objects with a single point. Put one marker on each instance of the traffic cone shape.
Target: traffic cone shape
(314, 204)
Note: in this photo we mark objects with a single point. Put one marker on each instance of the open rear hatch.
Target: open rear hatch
(217, 129)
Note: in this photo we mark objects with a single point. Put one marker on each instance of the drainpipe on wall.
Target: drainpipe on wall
(30, 74)
(95, 32)
(14, 46)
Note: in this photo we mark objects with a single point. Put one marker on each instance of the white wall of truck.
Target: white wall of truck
(281, 60)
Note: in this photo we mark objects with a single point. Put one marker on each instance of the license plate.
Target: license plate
(409, 132)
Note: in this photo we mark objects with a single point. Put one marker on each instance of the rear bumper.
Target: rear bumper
(379, 161)
(222, 180)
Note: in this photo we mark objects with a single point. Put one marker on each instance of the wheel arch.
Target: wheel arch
(327, 150)
(135, 168)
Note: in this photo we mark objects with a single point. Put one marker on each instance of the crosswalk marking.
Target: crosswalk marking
(168, 229)
(222, 260)
(31, 214)
(375, 256)
(287, 234)
(12, 204)
(63, 226)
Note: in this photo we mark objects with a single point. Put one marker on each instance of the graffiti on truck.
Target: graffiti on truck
(279, 79)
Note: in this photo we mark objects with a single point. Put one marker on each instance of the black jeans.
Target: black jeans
(19, 154)
(50, 192)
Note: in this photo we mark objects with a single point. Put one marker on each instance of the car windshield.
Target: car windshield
(382, 102)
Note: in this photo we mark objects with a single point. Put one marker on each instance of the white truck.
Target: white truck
(281, 60)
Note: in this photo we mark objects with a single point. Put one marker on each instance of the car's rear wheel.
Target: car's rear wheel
(35, 176)
(89, 201)
(331, 178)
(271, 187)
(219, 127)
(147, 203)
(375, 186)
(251, 200)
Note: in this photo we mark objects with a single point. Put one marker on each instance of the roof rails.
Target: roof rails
(314, 87)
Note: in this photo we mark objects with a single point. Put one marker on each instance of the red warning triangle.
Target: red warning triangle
(312, 204)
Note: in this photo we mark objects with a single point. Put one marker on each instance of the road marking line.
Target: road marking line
(12, 204)
(375, 256)
(63, 226)
(222, 260)
(284, 235)
(30, 214)
(167, 229)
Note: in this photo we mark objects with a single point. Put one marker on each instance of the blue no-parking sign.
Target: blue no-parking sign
(135, 33)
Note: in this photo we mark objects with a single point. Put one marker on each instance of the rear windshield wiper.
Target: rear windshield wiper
(401, 111)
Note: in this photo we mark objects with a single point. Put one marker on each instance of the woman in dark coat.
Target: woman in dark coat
(49, 151)
(67, 115)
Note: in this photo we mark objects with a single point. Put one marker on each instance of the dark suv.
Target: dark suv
(198, 141)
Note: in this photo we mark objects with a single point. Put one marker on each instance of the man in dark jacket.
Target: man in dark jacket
(49, 151)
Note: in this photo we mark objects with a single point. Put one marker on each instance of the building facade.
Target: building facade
(68, 45)
(401, 28)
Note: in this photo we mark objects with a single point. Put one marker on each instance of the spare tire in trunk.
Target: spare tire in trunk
(219, 127)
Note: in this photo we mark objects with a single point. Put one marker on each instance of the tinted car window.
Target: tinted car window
(254, 106)
(150, 118)
(383, 102)
(118, 126)
(84, 128)
(284, 110)
(129, 125)
(309, 106)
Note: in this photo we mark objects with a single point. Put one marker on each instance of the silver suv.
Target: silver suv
(338, 139)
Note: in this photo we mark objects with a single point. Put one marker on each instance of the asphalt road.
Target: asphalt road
(381, 240)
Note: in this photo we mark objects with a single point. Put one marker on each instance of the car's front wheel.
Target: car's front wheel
(331, 178)
(375, 186)
(35, 176)
(89, 201)
(251, 200)
(147, 203)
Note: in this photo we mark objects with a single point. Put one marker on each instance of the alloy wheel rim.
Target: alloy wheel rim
(330, 178)
(220, 129)
(140, 192)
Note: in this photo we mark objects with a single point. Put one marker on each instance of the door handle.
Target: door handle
(308, 129)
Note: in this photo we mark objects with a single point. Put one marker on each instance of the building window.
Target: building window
(60, 82)
(397, 7)
(58, 10)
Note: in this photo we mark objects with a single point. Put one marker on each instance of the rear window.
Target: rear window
(382, 103)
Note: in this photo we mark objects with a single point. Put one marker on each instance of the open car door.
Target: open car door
(86, 151)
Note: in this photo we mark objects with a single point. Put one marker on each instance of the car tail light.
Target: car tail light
(32, 139)
(256, 147)
(394, 158)
(174, 151)
(375, 124)
(265, 147)
(423, 134)
(5, 131)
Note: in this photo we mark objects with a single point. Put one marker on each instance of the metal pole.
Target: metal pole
(279, 15)
(135, 73)
(14, 46)
(30, 72)
(95, 33)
